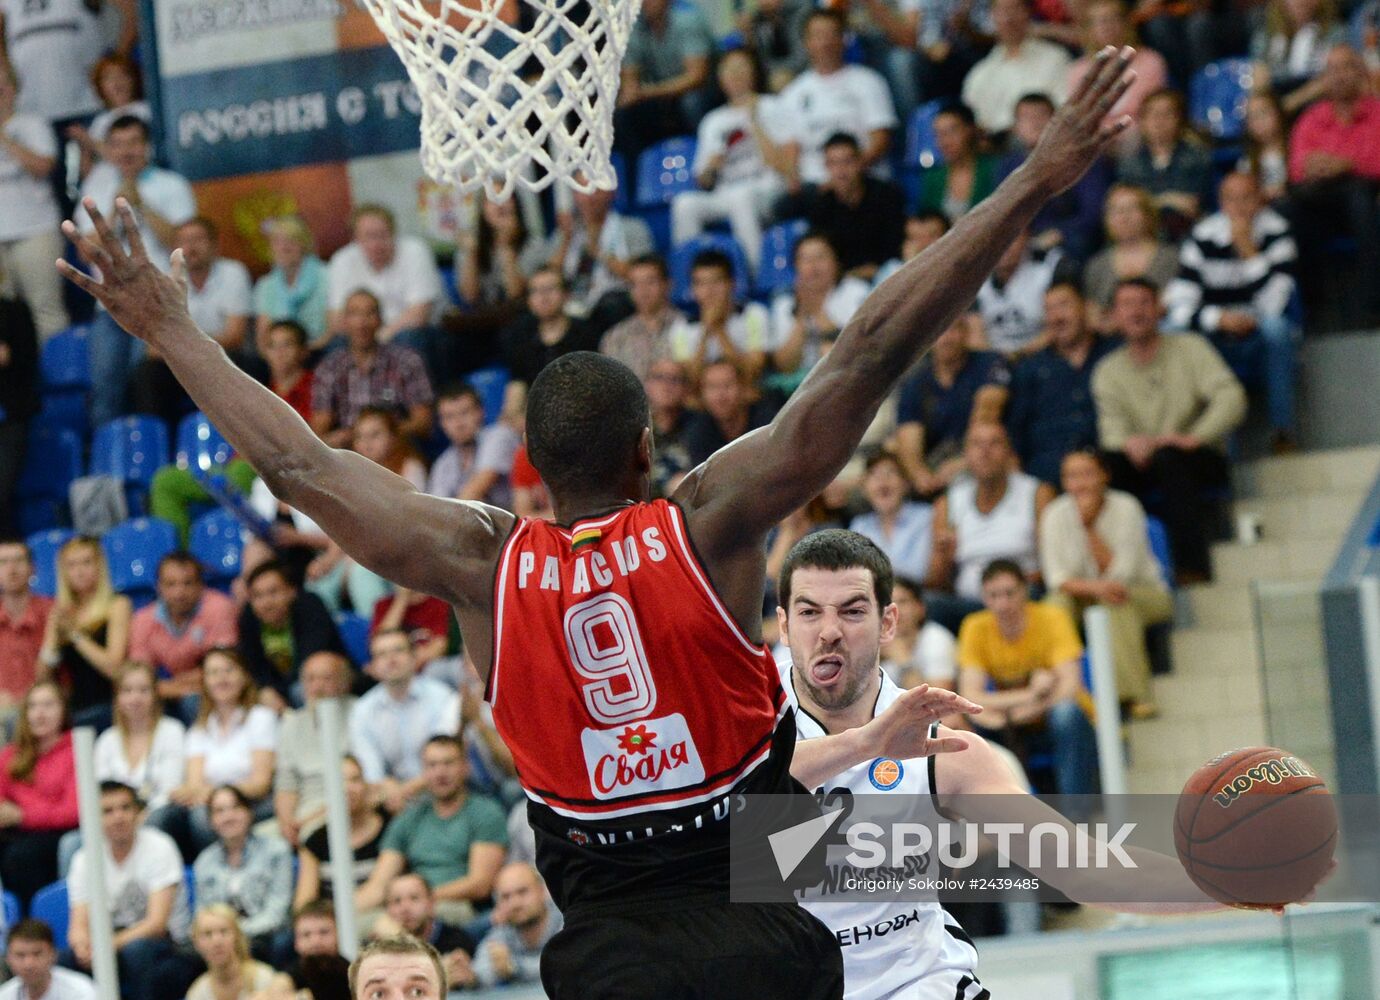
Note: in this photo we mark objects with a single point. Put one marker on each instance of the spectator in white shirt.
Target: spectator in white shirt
(923, 651)
(724, 331)
(51, 46)
(479, 460)
(162, 200)
(145, 749)
(900, 527)
(233, 742)
(394, 719)
(116, 79)
(822, 303)
(145, 890)
(219, 302)
(593, 247)
(831, 97)
(1020, 64)
(739, 161)
(645, 337)
(29, 215)
(32, 959)
(1011, 302)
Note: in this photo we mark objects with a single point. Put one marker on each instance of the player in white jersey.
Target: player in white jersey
(835, 615)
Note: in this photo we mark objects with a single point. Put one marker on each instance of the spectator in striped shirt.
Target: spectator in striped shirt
(1235, 286)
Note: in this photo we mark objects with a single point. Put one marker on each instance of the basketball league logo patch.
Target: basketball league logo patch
(885, 773)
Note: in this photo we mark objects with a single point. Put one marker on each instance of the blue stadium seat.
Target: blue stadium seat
(663, 171)
(63, 362)
(134, 549)
(50, 905)
(776, 272)
(65, 410)
(621, 202)
(216, 542)
(13, 912)
(199, 445)
(491, 383)
(44, 545)
(1159, 548)
(683, 258)
(1217, 97)
(130, 449)
(51, 462)
(354, 632)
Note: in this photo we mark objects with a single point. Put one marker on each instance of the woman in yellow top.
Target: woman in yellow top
(1022, 662)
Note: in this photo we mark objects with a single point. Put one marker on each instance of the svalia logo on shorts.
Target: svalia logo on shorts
(655, 755)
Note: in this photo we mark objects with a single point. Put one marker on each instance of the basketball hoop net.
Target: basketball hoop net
(485, 124)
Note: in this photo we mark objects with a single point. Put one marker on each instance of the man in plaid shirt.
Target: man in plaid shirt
(368, 373)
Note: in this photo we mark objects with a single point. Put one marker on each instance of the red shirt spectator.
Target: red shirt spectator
(23, 616)
(426, 620)
(49, 798)
(175, 631)
(1341, 134)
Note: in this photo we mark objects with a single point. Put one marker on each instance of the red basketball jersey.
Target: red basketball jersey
(620, 682)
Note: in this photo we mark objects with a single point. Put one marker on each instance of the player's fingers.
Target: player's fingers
(1108, 73)
(177, 266)
(81, 279)
(88, 248)
(1085, 85)
(1108, 133)
(948, 744)
(137, 252)
(1118, 89)
(103, 230)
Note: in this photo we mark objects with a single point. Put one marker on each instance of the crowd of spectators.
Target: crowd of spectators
(1099, 378)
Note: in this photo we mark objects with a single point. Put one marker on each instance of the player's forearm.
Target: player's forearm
(818, 760)
(264, 430)
(904, 316)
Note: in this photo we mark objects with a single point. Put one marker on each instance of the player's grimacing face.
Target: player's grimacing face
(835, 631)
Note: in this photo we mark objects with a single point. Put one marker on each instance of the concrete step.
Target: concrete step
(1216, 605)
(1196, 700)
(1277, 559)
(1313, 472)
(1203, 652)
(1318, 516)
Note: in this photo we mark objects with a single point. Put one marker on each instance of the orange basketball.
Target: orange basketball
(1255, 827)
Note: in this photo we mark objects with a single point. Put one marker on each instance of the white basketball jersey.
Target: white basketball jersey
(889, 947)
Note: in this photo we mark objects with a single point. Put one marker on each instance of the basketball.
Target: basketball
(1255, 828)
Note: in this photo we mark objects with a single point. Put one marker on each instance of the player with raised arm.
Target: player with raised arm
(621, 644)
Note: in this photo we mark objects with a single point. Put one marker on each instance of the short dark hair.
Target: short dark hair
(263, 569)
(828, 14)
(241, 799)
(376, 636)
(585, 417)
(716, 259)
(28, 552)
(907, 583)
(210, 228)
(817, 236)
(837, 549)
(446, 740)
(356, 292)
(1036, 97)
(931, 215)
(298, 331)
(883, 456)
(112, 787)
(181, 557)
(32, 929)
(323, 908)
(651, 260)
(1065, 282)
(960, 111)
(459, 390)
(1144, 283)
(376, 210)
(131, 121)
(1002, 567)
(554, 272)
(843, 139)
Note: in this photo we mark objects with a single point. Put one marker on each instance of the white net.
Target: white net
(513, 91)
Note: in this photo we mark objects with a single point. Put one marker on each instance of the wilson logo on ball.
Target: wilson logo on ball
(1270, 772)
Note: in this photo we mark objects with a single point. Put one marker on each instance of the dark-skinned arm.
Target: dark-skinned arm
(740, 492)
(438, 546)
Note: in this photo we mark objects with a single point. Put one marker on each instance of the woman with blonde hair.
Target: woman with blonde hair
(1290, 47)
(233, 742)
(296, 287)
(38, 792)
(231, 974)
(88, 631)
(1134, 250)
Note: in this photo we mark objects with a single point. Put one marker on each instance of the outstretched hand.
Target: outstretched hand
(1079, 131)
(138, 296)
(903, 730)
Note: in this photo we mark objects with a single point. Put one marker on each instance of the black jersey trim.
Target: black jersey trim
(958, 933)
(712, 779)
(929, 769)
